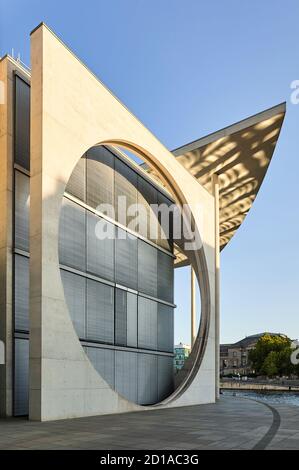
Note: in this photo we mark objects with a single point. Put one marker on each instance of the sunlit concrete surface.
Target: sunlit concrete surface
(232, 423)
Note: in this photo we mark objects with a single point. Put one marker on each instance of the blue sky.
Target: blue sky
(187, 69)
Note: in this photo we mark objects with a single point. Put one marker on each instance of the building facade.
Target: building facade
(181, 353)
(86, 320)
(234, 358)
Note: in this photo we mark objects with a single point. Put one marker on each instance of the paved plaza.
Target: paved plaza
(232, 423)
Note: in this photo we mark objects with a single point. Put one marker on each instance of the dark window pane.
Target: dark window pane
(165, 377)
(22, 123)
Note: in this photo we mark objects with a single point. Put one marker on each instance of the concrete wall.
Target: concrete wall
(70, 112)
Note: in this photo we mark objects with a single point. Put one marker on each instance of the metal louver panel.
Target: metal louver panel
(100, 176)
(131, 320)
(147, 379)
(22, 205)
(22, 123)
(72, 235)
(21, 293)
(77, 183)
(126, 374)
(103, 362)
(165, 328)
(148, 195)
(147, 268)
(147, 323)
(165, 277)
(125, 259)
(126, 186)
(100, 253)
(21, 377)
(165, 218)
(100, 312)
(165, 377)
(75, 295)
(120, 317)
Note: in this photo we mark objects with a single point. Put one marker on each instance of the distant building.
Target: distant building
(181, 352)
(234, 357)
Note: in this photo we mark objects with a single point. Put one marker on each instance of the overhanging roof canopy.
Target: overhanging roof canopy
(240, 155)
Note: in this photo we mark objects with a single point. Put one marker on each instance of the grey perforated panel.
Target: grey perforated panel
(165, 328)
(100, 176)
(165, 277)
(103, 362)
(21, 293)
(120, 317)
(21, 377)
(100, 312)
(147, 268)
(165, 377)
(22, 204)
(126, 374)
(147, 323)
(147, 379)
(72, 235)
(126, 187)
(77, 183)
(131, 320)
(22, 123)
(126, 259)
(100, 252)
(75, 296)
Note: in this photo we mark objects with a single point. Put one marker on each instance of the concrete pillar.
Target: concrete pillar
(6, 242)
(215, 181)
(193, 307)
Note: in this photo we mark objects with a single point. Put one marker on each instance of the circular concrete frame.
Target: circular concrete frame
(197, 260)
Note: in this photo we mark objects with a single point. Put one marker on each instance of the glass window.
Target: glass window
(21, 377)
(126, 374)
(131, 320)
(165, 277)
(147, 379)
(103, 362)
(165, 328)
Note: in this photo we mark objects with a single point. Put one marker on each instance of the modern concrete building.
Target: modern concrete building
(87, 320)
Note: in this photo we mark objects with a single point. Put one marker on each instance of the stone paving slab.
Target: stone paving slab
(231, 423)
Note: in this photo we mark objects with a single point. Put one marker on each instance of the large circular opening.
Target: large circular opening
(116, 255)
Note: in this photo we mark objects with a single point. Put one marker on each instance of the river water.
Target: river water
(274, 398)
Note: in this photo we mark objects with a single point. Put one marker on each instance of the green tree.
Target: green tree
(271, 356)
(269, 366)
